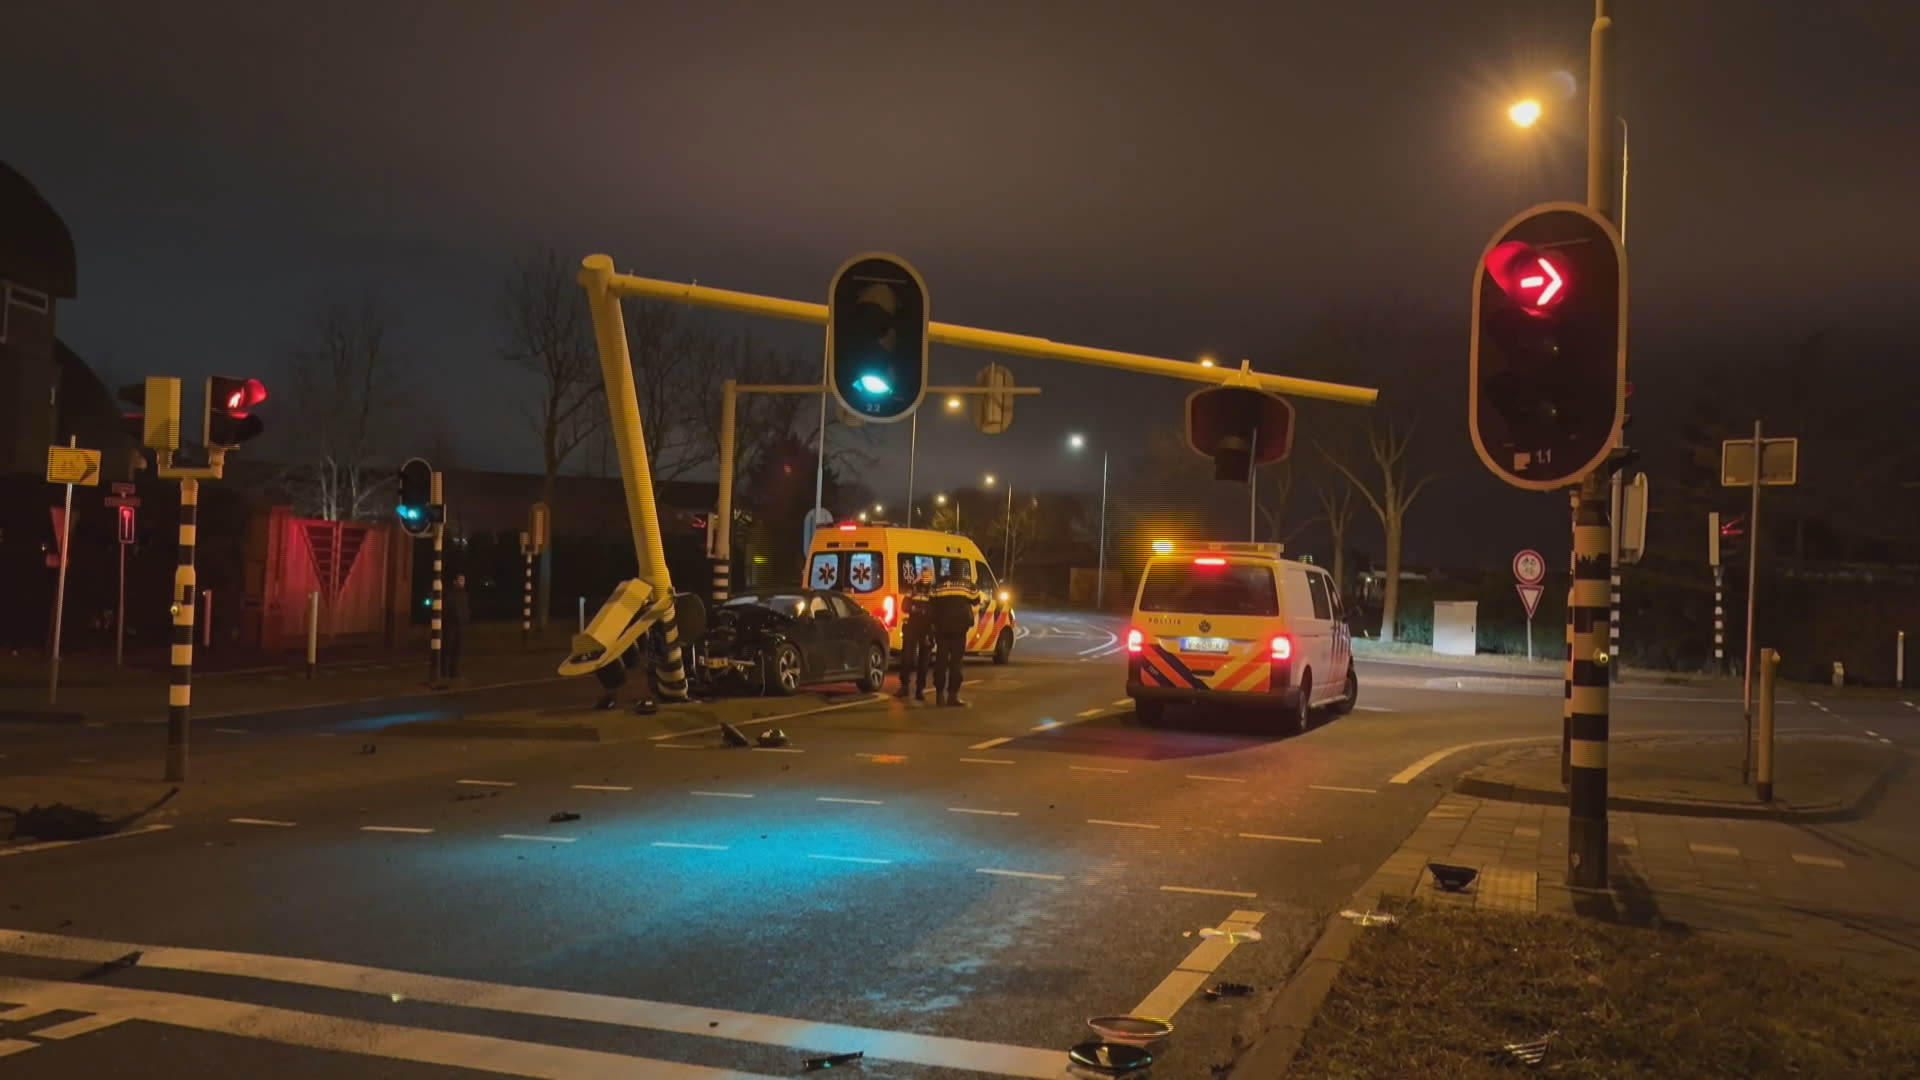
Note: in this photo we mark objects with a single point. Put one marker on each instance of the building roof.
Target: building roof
(35, 248)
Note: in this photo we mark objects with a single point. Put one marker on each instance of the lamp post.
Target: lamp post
(1006, 549)
(1078, 442)
(941, 500)
(1527, 112)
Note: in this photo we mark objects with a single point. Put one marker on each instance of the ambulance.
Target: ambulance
(874, 563)
(1232, 624)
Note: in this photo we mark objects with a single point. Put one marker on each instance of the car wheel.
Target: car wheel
(876, 673)
(783, 670)
(1294, 720)
(1352, 697)
(1003, 647)
(1150, 713)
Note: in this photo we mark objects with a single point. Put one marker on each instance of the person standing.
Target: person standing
(454, 627)
(953, 614)
(916, 635)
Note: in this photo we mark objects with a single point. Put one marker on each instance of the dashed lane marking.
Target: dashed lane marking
(1714, 849)
(602, 787)
(1886, 740)
(14, 1046)
(49, 845)
(690, 847)
(1085, 714)
(989, 761)
(1217, 779)
(1350, 790)
(854, 802)
(1819, 860)
(1873, 733)
(677, 746)
(1123, 703)
(81, 1026)
(1045, 725)
(1373, 708)
(394, 829)
(1020, 874)
(1273, 836)
(1209, 892)
(852, 859)
(776, 750)
(488, 783)
(262, 821)
(722, 794)
(991, 743)
(984, 813)
(1413, 771)
(1096, 768)
(538, 839)
(763, 720)
(1121, 824)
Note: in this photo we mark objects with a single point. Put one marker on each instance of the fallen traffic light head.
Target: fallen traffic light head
(230, 401)
(877, 337)
(1239, 427)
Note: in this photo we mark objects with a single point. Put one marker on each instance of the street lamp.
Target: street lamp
(1524, 113)
(953, 403)
(1528, 112)
(1206, 360)
(941, 500)
(1077, 442)
(1006, 549)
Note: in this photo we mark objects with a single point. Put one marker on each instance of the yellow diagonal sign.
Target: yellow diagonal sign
(72, 465)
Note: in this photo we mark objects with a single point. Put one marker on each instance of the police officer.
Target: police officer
(916, 635)
(953, 614)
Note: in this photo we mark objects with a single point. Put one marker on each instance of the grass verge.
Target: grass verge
(1433, 994)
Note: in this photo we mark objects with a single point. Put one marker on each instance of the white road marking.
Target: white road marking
(1095, 768)
(1217, 779)
(1819, 860)
(1045, 725)
(1873, 733)
(1910, 705)
(855, 802)
(229, 731)
(1886, 740)
(1351, 790)
(1121, 824)
(851, 858)
(49, 845)
(878, 757)
(602, 787)
(539, 839)
(977, 810)
(14, 1046)
(991, 743)
(690, 847)
(77, 1027)
(771, 719)
(1372, 708)
(393, 828)
(1408, 774)
(677, 746)
(266, 1022)
(777, 750)
(1272, 836)
(1095, 711)
(262, 821)
(371, 700)
(1123, 703)
(1021, 874)
(1200, 964)
(1092, 650)
(722, 794)
(1209, 892)
(989, 761)
(488, 783)
(1714, 849)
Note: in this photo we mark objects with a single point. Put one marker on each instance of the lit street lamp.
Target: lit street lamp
(1528, 112)
(1006, 550)
(1524, 113)
(1077, 442)
(941, 500)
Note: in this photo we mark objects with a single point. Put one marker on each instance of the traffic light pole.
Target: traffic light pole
(435, 669)
(1753, 584)
(1613, 582)
(180, 681)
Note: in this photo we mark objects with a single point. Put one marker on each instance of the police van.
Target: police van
(875, 563)
(1218, 623)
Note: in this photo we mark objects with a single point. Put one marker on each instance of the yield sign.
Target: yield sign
(1530, 596)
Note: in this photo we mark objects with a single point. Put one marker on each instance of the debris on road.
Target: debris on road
(564, 815)
(814, 1064)
(732, 736)
(62, 822)
(118, 963)
(1131, 1030)
(369, 748)
(1530, 1054)
(1452, 878)
(1235, 936)
(1228, 989)
(1110, 1059)
(1368, 918)
(476, 795)
(773, 737)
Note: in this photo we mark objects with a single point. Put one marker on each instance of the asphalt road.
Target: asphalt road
(955, 891)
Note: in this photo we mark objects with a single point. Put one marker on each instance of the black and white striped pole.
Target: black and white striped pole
(526, 594)
(180, 680)
(435, 668)
(720, 526)
(1614, 523)
(1719, 595)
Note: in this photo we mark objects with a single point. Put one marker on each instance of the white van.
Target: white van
(1236, 624)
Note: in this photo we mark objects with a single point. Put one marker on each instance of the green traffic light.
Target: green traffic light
(874, 384)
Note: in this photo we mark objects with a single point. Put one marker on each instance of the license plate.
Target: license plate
(1203, 644)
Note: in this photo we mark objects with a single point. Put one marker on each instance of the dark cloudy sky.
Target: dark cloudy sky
(1159, 177)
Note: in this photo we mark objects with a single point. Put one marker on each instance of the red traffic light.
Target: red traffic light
(236, 396)
(126, 524)
(1536, 282)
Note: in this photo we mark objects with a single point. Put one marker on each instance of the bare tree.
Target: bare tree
(1270, 501)
(668, 348)
(543, 315)
(1016, 535)
(347, 396)
(1337, 507)
(1389, 482)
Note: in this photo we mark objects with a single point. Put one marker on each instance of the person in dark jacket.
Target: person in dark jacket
(916, 635)
(453, 626)
(953, 614)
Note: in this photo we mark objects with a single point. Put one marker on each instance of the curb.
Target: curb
(1823, 813)
(41, 716)
(1299, 1002)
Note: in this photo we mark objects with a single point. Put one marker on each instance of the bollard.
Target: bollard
(206, 618)
(1900, 659)
(1769, 667)
(313, 633)
(583, 614)
(1839, 673)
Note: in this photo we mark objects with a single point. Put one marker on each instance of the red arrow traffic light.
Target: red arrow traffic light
(1536, 282)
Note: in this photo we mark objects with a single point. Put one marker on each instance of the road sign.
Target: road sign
(123, 496)
(993, 412)
(1530, 596)
(72, 465)
(1633, 520)
(537, 527)
(1779, 462)
(1529, 569)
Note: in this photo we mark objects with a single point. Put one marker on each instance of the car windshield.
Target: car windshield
(1234, 589)
(784, 603)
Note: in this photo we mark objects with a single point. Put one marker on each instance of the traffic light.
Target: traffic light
(1239, 427)
(229, 418)
(877, 337)
(1733, 542)
(1548, 362)
(416, 508)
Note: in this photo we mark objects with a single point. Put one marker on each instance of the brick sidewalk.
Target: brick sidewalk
(1767, 884)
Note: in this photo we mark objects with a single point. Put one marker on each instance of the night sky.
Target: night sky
(1163, 178)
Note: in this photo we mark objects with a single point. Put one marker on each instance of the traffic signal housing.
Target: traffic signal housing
(416, 508)
(1239, 427)
(1548, 360)
(229, 416)
(877, 337)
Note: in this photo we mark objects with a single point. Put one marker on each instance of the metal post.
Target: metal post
(434, 667)
(1253, 493)
(1900, 659)
(1613, 579)
(1753, 581)
(1100, 584)
(313, 633)
(820, 459)
(1769, 667)
(623, 403)
(1566, 689)
(206, 618)
(60, 591)
(526, 593)
(913, 459)
(120, 613)
(1006, 553)
(1719, 620)
(180, 683)
(583, 614)
(722, 522)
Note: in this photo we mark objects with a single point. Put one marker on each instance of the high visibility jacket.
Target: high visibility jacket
(917, 604)
(953, 607)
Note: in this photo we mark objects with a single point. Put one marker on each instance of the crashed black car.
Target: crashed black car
(779, 640)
